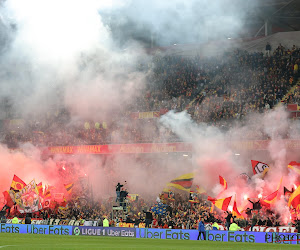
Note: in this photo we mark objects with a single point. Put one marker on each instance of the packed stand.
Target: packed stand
(179, 214)
(216, 91)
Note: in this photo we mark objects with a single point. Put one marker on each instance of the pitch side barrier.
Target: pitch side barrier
(56, 222)
(35, 229)
(220, 235)
(152, 233)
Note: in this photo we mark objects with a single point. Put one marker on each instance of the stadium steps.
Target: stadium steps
(288, 93)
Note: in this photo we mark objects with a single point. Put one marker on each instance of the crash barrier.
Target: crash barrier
(208, 227)
(35, 229)
(220, 235)
(152, 233)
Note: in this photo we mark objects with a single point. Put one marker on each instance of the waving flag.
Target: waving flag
(211, 199)
(235, 211)
(270, 199)
(69, 187)
(9, 201)
(183, 182)
(223, 182)
(17, 183)
(160, 209)
(259, 167)
(295, 166)
(40, 188)
(221, 203)
(295, 198)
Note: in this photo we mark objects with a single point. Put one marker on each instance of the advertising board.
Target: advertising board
(105, 231)
(35, 229)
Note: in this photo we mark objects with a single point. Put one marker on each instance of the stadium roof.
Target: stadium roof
(283, 15)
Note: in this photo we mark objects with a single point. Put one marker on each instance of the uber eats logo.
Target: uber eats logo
(76, 231)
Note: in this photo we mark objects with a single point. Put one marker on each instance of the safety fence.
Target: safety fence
(208, 226)
(152, 233)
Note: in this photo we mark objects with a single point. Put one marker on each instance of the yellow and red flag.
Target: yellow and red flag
(183, 182)
(295, 198)
(223, 182)
(235, 211)
(17, 183)
(295, 166)
(40, 188)
(69, 187)
(271, 198)
(221, 203)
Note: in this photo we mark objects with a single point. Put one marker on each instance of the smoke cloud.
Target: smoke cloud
(213, 156)
(84, 56)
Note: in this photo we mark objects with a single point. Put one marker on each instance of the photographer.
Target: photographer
(123, 195)
(118, 190)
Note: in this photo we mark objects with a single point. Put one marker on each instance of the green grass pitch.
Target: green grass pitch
(29, 241)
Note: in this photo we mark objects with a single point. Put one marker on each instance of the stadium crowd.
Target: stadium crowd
(216, 91)
(179, 213)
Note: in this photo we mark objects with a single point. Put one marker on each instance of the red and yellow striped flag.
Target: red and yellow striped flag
(183, 182)
(295, 166)
(69, 187)
(223, 182)
(271, 198)
(295, 198)
(221, 203)
(235, 211)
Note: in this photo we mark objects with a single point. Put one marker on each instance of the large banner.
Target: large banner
(27, 198)
(35, 229)
(121, 148)
(162, 147)
(219, 235)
